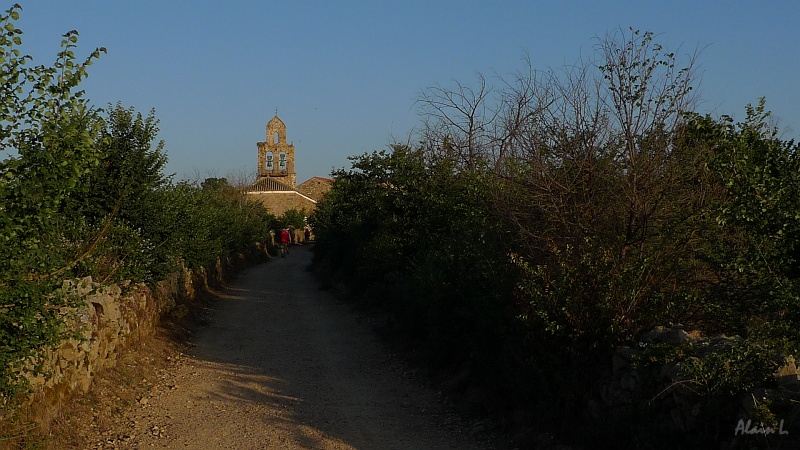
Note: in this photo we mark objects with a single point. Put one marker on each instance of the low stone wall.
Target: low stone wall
(114, 317)
(672, 401)
(108, 321)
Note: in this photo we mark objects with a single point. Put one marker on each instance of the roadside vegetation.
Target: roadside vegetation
(83, 193)
(541, 222)
(546, 219)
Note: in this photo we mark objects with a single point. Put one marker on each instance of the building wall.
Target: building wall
(316, 187)
(278, 203)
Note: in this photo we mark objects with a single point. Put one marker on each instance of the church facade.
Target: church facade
(276, 186)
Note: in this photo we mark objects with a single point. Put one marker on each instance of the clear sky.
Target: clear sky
(343, 75)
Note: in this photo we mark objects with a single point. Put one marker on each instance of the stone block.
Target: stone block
(789, 367)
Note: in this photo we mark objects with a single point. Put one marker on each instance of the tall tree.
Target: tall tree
(45, 119)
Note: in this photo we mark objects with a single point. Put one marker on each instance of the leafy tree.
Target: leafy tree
(755, 246)
(121, 196)
(418, 238)
(53, 130)
(291, 217)
(131, 170)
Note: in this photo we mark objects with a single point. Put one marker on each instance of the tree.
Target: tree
(755, 241)
(53, 129)
(599, 197)
(132, 167)
(120, 199)
(458, 122)
(292, 217)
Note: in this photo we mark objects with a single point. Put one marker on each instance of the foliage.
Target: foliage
(83, 192)
(291, 218)
(52, 129)
(604, 197)
(605, 206)
(751, 246)
(418, 239)
(209, 220)
(761, 253)
(121, 194)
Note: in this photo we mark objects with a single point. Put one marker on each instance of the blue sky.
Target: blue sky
(344, 75)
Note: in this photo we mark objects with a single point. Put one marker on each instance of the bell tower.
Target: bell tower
(276, 156)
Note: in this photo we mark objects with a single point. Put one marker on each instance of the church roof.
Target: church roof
(269, 184)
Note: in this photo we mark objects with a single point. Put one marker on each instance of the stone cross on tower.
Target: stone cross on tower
(276, 156)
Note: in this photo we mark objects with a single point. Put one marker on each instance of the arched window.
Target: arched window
(282, 160)
(268, 163)
(277, 138)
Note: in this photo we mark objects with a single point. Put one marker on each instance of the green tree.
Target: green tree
(292, 217)
(418, 238)
(121, 196)
(132, 168)
(53, 130)
(757, 229)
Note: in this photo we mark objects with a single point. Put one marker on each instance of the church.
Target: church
(276, 186)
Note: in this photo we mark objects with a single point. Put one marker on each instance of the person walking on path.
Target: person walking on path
(285, 240)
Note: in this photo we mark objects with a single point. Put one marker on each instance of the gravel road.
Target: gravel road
(283, 365)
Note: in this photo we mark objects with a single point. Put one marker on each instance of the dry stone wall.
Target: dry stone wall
(111, 318)
(673, 403)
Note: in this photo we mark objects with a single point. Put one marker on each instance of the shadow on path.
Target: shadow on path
(285, 365)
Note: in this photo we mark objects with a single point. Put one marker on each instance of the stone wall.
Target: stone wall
(114, 317)
(110, 319)
(671, 399)
(316, 187)
(278, 203)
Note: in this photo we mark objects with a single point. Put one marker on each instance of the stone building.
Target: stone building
(276, 186)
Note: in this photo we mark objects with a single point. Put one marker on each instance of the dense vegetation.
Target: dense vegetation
(83, 193)
(539, 227)
(533, 230)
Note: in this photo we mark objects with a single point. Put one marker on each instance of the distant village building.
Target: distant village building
(276, 186)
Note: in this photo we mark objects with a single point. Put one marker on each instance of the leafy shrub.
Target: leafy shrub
(82, 192)
(53, 131)
(418, 239)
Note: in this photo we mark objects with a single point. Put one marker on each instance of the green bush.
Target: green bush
(418, 239)
(53, 130)
(577, 215)
(85, 194)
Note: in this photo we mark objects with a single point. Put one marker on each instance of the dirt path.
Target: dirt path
(283, 365)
